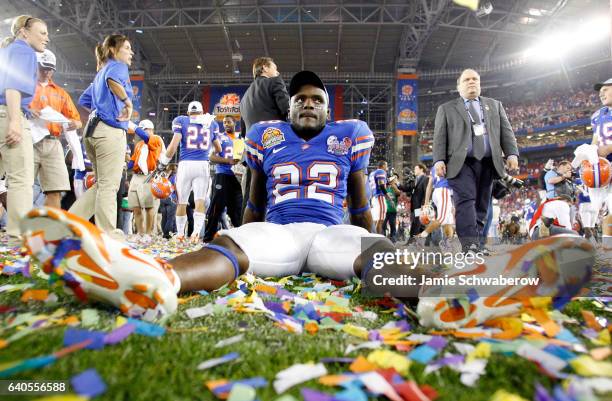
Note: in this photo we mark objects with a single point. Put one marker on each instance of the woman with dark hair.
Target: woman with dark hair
(17, 86)
(109, 97)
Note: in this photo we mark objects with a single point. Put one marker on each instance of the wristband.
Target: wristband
(254, 208)
(360, 210)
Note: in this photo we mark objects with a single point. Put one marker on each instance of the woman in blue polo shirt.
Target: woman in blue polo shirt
(110, 96)
(17, 87)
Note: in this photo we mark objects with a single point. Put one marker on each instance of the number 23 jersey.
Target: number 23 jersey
(307, 180)
(197, 136)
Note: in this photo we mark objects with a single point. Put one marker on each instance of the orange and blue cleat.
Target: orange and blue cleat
(95, 266)
(558, 267)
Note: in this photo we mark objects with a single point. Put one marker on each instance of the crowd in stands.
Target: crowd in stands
(558, 107)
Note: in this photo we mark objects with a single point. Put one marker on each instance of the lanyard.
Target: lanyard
(470, 115)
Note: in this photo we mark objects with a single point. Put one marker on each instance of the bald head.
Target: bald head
(468, 84)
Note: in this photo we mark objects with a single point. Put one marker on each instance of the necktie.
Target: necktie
(478, 144)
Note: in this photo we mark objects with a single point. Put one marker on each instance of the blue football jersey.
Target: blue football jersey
(529, 210)
(376, 177)
(438, 182)
(307, 180)
(196, 137)
(601, 122)
(227, 152)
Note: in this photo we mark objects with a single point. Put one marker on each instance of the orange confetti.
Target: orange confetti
(265, 288)
(332, 380)
(3, 343)
(590, 320)
(361, 365)
(34, 295)
(550, 327)
(311, 327)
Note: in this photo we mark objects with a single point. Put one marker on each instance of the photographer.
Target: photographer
(558, 178)
(554, 216)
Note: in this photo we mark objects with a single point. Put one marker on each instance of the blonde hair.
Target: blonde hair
(103, 51)
(19, 23)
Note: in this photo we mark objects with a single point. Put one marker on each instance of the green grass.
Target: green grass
(145, 368)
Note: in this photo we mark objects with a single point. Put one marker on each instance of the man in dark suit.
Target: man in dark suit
(265, 99)
(472, 135)
(417, 199)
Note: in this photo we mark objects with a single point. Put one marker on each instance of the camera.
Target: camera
(409, 182)
(512, 182)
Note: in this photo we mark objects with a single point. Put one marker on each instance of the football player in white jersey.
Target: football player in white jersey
(196, 133)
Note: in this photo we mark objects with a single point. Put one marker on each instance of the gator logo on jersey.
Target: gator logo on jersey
(338, 148)
(272, 137)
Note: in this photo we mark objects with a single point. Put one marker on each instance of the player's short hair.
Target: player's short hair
(421, 166)
(259, 63)
(229, 116)
(381, 163)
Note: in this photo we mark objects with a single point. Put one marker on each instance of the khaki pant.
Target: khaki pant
(106, 150)
(50, 166)
(18, 162)
(140, 195)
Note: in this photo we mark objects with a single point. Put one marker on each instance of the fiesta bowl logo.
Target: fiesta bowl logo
(407, 90)
(272, 137)
(229, 104)
(338, 148)
(407, 116)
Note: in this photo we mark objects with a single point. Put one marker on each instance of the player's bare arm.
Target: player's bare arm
(256, 208)
(357, 200)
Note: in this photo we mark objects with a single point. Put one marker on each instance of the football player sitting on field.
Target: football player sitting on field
(301, 173)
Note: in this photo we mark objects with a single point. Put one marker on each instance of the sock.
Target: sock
(198, 222)
(181, 222)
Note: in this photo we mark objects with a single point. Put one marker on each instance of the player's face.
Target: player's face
(229, 124)
(44, 74)
(37, 36)
(605, 94)
(125, 53)
(469, 84)
(308, 109)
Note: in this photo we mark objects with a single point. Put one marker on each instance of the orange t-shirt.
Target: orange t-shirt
(56, 98)
(155, 145)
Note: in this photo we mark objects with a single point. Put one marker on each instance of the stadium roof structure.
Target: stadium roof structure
(216, 40)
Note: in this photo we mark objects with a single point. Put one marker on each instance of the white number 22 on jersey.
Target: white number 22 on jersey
(192, 137)
(287, 176)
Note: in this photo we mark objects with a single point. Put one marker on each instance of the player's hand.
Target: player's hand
(512, 164)
(161, 167)
(441, 169)
(71, 126)
(126, 113)
(14, 132)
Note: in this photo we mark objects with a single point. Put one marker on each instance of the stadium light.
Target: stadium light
(560, 43)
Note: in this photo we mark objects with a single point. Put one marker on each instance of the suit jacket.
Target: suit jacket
(265, 99)
(453, 133)
(418, 195)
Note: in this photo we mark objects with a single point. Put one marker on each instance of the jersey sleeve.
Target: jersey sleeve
(254, 149)
(177, 125)
(363, 141)
(86, 96)
(119, 73)
(214, 131)
(69, 110)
